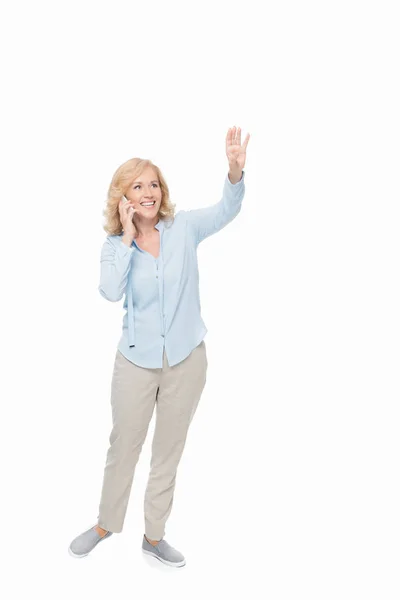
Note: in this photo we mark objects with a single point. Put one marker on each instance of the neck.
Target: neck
(146, 229)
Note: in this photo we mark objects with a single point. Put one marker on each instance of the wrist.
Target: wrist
(127, 239)
(235, 175)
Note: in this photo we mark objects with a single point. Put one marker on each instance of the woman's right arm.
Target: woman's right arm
(115, 263)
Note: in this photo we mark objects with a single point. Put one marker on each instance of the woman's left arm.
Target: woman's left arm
(207, 221)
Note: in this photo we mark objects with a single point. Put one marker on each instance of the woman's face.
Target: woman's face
(145, 189)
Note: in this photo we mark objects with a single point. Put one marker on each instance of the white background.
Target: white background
(288, 486)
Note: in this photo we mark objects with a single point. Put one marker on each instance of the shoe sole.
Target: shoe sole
(76, 555)
(163, 560)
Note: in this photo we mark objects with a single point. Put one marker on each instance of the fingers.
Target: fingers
(234, 137)
(124, 203)
(126, 212)
(230, 136)
(126, 206)
(246, 141)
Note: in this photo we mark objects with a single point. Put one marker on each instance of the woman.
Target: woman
(150, 256)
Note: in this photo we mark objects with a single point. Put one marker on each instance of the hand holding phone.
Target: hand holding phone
(126, 213)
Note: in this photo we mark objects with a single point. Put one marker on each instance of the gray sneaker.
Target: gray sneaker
(85, 542)
(164, 552)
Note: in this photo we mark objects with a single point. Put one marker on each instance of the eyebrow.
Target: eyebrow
(154, 181)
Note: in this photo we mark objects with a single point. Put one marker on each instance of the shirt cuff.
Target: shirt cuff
(123, 249)
(238, 183)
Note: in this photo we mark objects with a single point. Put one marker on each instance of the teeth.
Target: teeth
(147, 203)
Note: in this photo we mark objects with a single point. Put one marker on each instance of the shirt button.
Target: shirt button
(162, 335)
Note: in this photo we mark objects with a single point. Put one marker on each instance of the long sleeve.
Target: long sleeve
(207, 221)
(115, 263)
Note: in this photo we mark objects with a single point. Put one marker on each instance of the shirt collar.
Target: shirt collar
(159, 225)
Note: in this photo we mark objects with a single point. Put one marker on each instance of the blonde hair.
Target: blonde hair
(122, 179)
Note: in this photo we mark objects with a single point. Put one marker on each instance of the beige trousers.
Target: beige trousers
(175, 391)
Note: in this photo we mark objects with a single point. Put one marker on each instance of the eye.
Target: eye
(138, 185)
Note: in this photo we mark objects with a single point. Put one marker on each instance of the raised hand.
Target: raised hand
(235, 150)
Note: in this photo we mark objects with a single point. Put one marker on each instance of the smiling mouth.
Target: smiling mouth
(147, 204)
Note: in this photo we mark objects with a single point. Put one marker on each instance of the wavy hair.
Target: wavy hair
(121, 180)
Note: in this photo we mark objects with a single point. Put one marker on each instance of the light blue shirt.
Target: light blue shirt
(162, 300)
